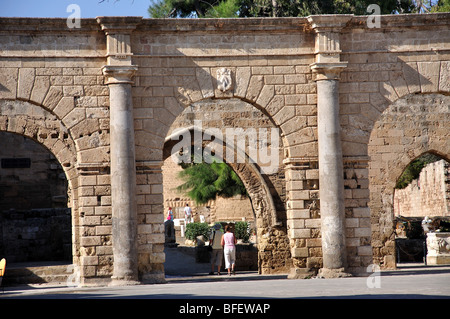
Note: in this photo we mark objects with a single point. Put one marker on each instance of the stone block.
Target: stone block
(361, 212)
(444, 77)
(103, 230)
(25, 84)
(90, 241)
(313, 223)
(89, 260)
(296, 223)
(90, 220)
(205, 82)
(265, 96)
(255, 85)
(53, 97)
(438, 248)
(300, 233)
(299, 252)
(298, 213)
(428, 76)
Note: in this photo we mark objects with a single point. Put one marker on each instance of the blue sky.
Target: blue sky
(58, 8)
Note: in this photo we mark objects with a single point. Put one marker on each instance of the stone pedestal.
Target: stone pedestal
(438, 249)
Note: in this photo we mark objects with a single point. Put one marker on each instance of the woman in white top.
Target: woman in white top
(229, 249)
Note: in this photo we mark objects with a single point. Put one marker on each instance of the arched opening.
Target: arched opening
(414, 125)
(261, 208)
(34, 216)
(421, 205)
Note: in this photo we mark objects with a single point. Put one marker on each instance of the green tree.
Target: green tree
(183, 8)
(441, 6)
(271, 8)
(204, 182)
(412, 171)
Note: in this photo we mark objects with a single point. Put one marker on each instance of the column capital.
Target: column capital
(328, 71)
(116, 74)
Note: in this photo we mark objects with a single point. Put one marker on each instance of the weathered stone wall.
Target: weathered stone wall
(227, 115)
(426, 196)
(393, 107)
(30, 175)
(410, 127)
(36, 235)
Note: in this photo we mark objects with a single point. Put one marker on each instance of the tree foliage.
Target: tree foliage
(285, 8)
(412, 171)
(441, 6)
(204, 182)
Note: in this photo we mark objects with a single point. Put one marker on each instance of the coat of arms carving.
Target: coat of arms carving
(224, 82)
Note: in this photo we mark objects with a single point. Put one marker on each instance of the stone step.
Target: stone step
(34, 273)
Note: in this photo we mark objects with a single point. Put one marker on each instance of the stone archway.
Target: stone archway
(273, 243)
(38, 124)
(35, 221)
(411, 126)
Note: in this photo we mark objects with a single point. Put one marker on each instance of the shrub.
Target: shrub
(242, 231)
(193, 230)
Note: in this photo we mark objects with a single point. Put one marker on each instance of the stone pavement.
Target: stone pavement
(408, 282)
(191, 289)
(249, 294)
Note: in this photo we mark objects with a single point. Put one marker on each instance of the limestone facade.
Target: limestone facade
(353, 105)
(429, 195)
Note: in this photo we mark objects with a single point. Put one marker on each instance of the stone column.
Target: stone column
(123, 174)
(331, 173)
(118, 76)
(331, 176)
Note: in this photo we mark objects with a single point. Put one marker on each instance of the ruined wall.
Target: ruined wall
(30, 176)
(393, 95)
(426, 196)
(410, 127)
(389, 117)
(36, 235)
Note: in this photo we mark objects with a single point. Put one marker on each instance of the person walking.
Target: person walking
(229, 249)
(217, 249)
(187, 214)
(170, 214)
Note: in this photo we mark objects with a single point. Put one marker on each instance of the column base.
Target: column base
(301, 273)
(333, 273)
(116, 281)
(158, 278)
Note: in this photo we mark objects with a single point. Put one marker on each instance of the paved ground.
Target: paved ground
(190, 292)
(407, 283)
(189, 289)
(397, 292)
(188, 280)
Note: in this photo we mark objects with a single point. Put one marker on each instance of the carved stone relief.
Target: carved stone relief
(224, 81)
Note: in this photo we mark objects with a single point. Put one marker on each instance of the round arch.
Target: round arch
(259, 192)
(411, 126)
(46, 129)
(269, 219)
